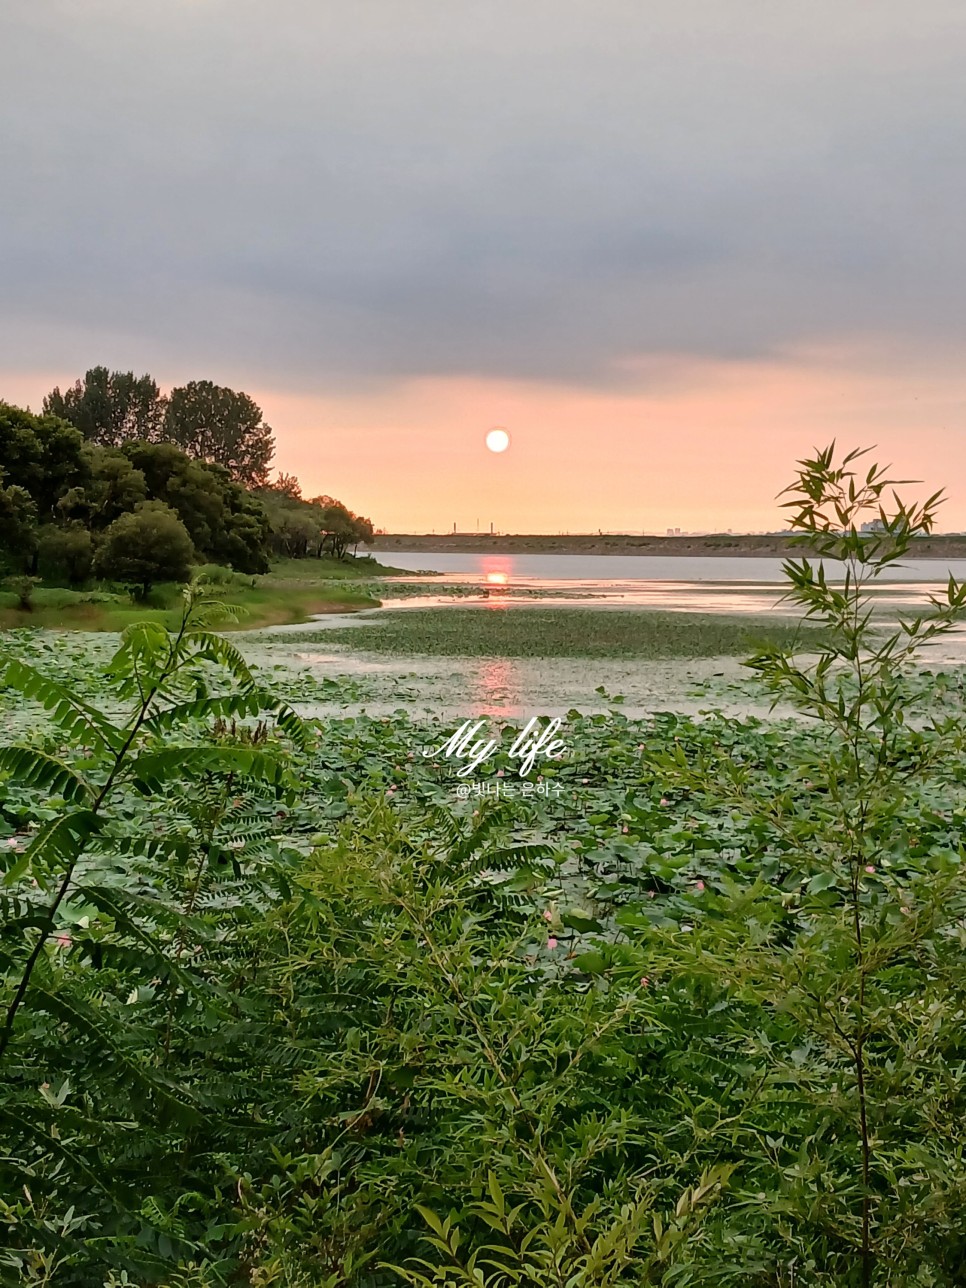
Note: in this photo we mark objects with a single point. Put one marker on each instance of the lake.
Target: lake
(609, 568)
(517, 688)
(688, 583)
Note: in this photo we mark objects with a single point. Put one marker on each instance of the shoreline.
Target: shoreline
(718, 544)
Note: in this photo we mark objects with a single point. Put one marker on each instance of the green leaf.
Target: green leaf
(822, 881)
(82, 722)
(57, 845)
(151, 770)
(44, 773)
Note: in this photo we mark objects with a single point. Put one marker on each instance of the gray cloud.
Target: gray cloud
(326, 194)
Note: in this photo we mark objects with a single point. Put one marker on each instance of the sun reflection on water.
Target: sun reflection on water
(497, 689)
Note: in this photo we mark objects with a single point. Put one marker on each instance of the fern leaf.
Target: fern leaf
(83, 723)
(110, 901)
(245, 703)
(44, 773)
(289, 721)
(57, 845)
(52, 1144)
(85, 1021)
(215, 648)
(152, 769)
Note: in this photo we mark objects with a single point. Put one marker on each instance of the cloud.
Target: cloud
(328, 195)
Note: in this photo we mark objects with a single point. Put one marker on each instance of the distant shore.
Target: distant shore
(724, 544)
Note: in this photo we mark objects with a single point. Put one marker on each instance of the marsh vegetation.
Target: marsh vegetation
(288, 1002)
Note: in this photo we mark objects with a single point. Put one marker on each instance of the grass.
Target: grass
(294, 591)
(569, 632)
(311, 571)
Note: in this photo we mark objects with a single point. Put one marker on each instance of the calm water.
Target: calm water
(454, 688)
(609, 568)
(702, 584)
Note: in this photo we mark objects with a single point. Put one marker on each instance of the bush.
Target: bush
(217, 575)
(66, 554)
(23, 588)
(145, 547)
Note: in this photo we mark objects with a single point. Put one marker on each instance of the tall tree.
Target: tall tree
(213, 423)
(110, 407)
(42, 454)
(18, 528)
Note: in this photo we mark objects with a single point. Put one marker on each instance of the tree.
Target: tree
(18, 527)
(213, 423)
(287, 485)
(145, 547)
(340, 528)
(41, 454)
(226, 523)
(110, 407)
(364, 532)
(65, 554)
(112, 487)
(295, 531)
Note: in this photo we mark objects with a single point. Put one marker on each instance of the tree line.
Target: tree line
(114, 480)
(207, 421)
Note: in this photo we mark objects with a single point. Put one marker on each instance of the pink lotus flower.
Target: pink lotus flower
(551, 942)
(870, 867)
(664, 800)
(699, 886)
(585, 780)
(548, 915)
(644, 981)
(625, 829)
(62, 941)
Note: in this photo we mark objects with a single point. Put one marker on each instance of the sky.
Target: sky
(670, 246)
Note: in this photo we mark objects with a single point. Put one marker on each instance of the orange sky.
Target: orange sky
(707, 447)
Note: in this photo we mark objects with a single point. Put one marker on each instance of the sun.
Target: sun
(498, 440)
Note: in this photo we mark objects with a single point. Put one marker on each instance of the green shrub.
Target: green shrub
(65, 554)
(145, 547)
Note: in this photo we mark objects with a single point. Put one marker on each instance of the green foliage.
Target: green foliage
(23, 588)
(863, 960)
(18, 526)
(116, 443)
(568, 632)
(108, 487)
(109, 407)
(105, 885)
(225, 522)
(282, 1009)
(213, 423)
(65, 554)
(41, 454)
(318, 527)
(145, 547)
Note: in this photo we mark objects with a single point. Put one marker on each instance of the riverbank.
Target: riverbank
(295, 590)
(950, 546)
